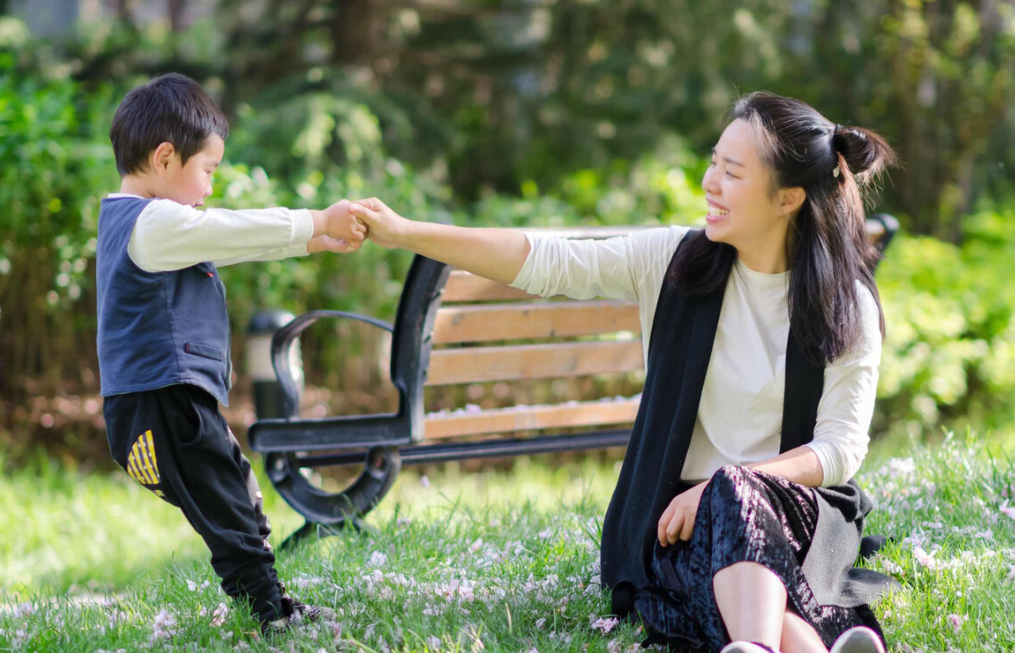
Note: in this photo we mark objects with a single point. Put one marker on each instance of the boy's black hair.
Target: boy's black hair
(170, 108)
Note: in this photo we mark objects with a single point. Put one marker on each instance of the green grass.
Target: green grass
(493, 560)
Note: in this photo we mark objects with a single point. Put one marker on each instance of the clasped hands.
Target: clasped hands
(343, 226)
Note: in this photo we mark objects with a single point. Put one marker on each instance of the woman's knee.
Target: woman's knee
(731, 489)
(730, 480)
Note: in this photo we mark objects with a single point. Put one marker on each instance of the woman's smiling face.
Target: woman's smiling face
(743, 210)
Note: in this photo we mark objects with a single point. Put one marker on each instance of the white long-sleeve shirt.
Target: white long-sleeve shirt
(740, 414)
(169, 236)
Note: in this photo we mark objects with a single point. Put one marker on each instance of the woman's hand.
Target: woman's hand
(677, 521)
(384, 226)
(496, 254)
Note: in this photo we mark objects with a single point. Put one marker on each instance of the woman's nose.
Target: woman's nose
(708, 183)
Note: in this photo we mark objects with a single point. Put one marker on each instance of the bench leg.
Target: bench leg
(299, 536)
(312, 532)
(326, 512)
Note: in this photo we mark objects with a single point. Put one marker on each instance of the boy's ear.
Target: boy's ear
(162, 156)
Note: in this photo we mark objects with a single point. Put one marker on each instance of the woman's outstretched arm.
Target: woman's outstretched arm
(628, 267)
(496, 254)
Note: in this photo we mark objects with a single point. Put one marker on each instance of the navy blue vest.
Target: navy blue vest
(156, 329)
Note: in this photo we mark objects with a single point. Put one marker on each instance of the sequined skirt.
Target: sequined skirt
(744, 515)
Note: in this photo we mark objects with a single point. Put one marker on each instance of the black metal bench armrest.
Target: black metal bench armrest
(350, 431)
(890, 225)
(281, 346)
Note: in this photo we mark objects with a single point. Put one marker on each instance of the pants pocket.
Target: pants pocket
(193, 415)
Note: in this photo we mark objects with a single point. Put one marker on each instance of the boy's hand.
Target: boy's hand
(329, 244)
(340, 224)
(384, 226)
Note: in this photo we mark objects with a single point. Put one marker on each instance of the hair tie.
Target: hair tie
(835, 170)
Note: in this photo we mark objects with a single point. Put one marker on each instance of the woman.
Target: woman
(734, 523)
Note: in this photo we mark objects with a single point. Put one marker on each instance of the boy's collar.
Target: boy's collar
(116, 196)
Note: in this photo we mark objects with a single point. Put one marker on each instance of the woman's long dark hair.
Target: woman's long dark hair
(828, 239)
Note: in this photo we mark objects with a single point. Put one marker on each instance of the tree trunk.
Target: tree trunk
(356, 31)
(176, 10)
(125, 12)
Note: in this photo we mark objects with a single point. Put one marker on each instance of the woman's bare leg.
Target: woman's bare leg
(752, 602)
(798, 636)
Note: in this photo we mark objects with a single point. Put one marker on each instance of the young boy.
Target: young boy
(163, 337)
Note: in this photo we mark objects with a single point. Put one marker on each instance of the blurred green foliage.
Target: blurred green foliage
(51, 162)
(527, 115)
(949, 356)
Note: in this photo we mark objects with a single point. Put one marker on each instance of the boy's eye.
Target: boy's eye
(731, 176)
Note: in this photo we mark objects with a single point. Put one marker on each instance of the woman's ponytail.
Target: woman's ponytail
(866, 153)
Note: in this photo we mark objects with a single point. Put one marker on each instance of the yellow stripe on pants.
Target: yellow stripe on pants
(133, 470)
(151, 451)
(147, 465)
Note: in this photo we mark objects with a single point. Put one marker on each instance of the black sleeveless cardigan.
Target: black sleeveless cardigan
(683, 332)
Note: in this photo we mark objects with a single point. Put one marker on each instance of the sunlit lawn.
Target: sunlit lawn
(490, 560)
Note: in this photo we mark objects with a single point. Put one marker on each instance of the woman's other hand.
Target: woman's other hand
(677, 521)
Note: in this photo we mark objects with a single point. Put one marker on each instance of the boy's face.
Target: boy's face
(189, 184)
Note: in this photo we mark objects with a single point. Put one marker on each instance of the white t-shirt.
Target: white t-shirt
(170, 236)
(740, 415)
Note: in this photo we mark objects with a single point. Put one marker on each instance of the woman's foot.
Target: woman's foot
(747, 647)
(858, 640)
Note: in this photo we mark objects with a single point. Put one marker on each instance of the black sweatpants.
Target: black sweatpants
(175, 442)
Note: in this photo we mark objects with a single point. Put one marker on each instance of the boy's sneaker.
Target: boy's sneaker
(278, 627)
(294, 613)
(747, 647)
(858, 640)
(299, 611)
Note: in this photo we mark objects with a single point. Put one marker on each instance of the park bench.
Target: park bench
(456, 329)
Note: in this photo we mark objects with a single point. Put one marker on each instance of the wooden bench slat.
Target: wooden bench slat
(478, 323)
(465, 287)
(532, 418)
(479, 364)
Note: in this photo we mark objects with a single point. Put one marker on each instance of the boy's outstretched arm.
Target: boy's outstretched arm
(496, 254)
(170, 236)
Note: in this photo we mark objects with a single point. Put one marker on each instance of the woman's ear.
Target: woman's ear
(791, 199)
(162, 156)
